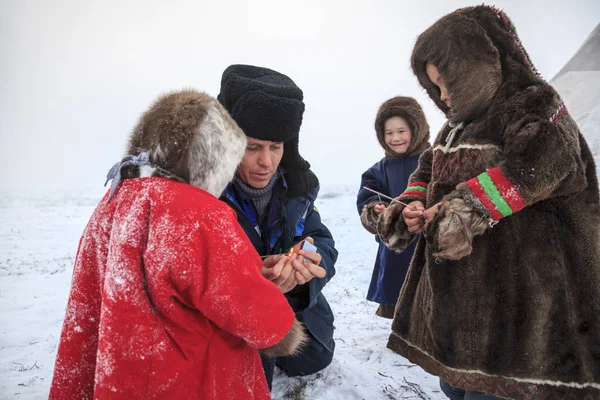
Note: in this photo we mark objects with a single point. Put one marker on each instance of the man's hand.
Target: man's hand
(413, 216)
(307, 267)
(279, 269)
(287, 272)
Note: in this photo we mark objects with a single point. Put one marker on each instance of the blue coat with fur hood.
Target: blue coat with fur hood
(390, 176)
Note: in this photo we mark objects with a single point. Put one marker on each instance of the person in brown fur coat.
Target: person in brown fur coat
(503, 293)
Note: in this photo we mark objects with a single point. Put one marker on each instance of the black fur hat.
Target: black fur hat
(268, 105)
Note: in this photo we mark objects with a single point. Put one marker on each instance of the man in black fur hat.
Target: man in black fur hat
(273, 194)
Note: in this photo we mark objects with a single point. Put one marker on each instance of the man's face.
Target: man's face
(260, 162)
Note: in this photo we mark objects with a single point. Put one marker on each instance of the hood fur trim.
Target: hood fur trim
(477, 52)
(191, 135)
(409, 109)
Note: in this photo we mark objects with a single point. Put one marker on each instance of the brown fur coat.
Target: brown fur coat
(512, 310)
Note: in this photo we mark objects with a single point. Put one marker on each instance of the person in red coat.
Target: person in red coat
(167, 298)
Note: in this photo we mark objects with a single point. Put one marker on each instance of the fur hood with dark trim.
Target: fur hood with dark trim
(189, 137)
(492, 63)
(409, 109)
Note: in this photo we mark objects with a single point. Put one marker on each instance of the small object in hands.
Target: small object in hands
(305, 244)
(308, 246)
(388, 197)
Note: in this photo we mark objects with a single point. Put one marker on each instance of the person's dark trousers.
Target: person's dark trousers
(268, 364)
(460, 394)
(313, 358)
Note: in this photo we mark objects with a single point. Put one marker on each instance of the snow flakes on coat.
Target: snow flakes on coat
(167, 301)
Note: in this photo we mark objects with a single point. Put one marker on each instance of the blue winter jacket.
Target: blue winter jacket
(288, 221)
(390, 177)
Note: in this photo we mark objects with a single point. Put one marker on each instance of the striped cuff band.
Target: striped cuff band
(497, 194)
(418, 189)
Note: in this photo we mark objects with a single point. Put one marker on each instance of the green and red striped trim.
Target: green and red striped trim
(418, 189)
(497, 194)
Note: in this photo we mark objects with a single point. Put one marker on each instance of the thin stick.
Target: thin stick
(289, 254)
(280, 254)
(389, 198)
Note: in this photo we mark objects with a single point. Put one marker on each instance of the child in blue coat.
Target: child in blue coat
(403, 132)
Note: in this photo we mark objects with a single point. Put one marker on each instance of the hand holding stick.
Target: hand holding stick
(389, 198)
(414, 222)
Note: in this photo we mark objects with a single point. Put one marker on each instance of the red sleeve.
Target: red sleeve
(228, 287)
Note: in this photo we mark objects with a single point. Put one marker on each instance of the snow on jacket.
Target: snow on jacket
(167, 299)
(167, 294)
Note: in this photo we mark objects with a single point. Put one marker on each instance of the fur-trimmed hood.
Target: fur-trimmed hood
(409, 109)
(190, 135)
(478, 54)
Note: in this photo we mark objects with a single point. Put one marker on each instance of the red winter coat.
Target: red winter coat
(167, 301)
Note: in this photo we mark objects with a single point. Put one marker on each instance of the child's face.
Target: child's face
(397, 134)
(436, 79)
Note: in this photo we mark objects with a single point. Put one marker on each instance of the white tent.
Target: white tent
(578, 82)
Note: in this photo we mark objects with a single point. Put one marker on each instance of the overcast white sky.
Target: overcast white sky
(76, 74)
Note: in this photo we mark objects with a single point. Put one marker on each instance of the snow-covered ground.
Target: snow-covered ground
(40, 231)
(38, 239)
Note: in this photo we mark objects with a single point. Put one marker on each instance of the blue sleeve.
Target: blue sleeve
(373, 178)
(314, 228)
